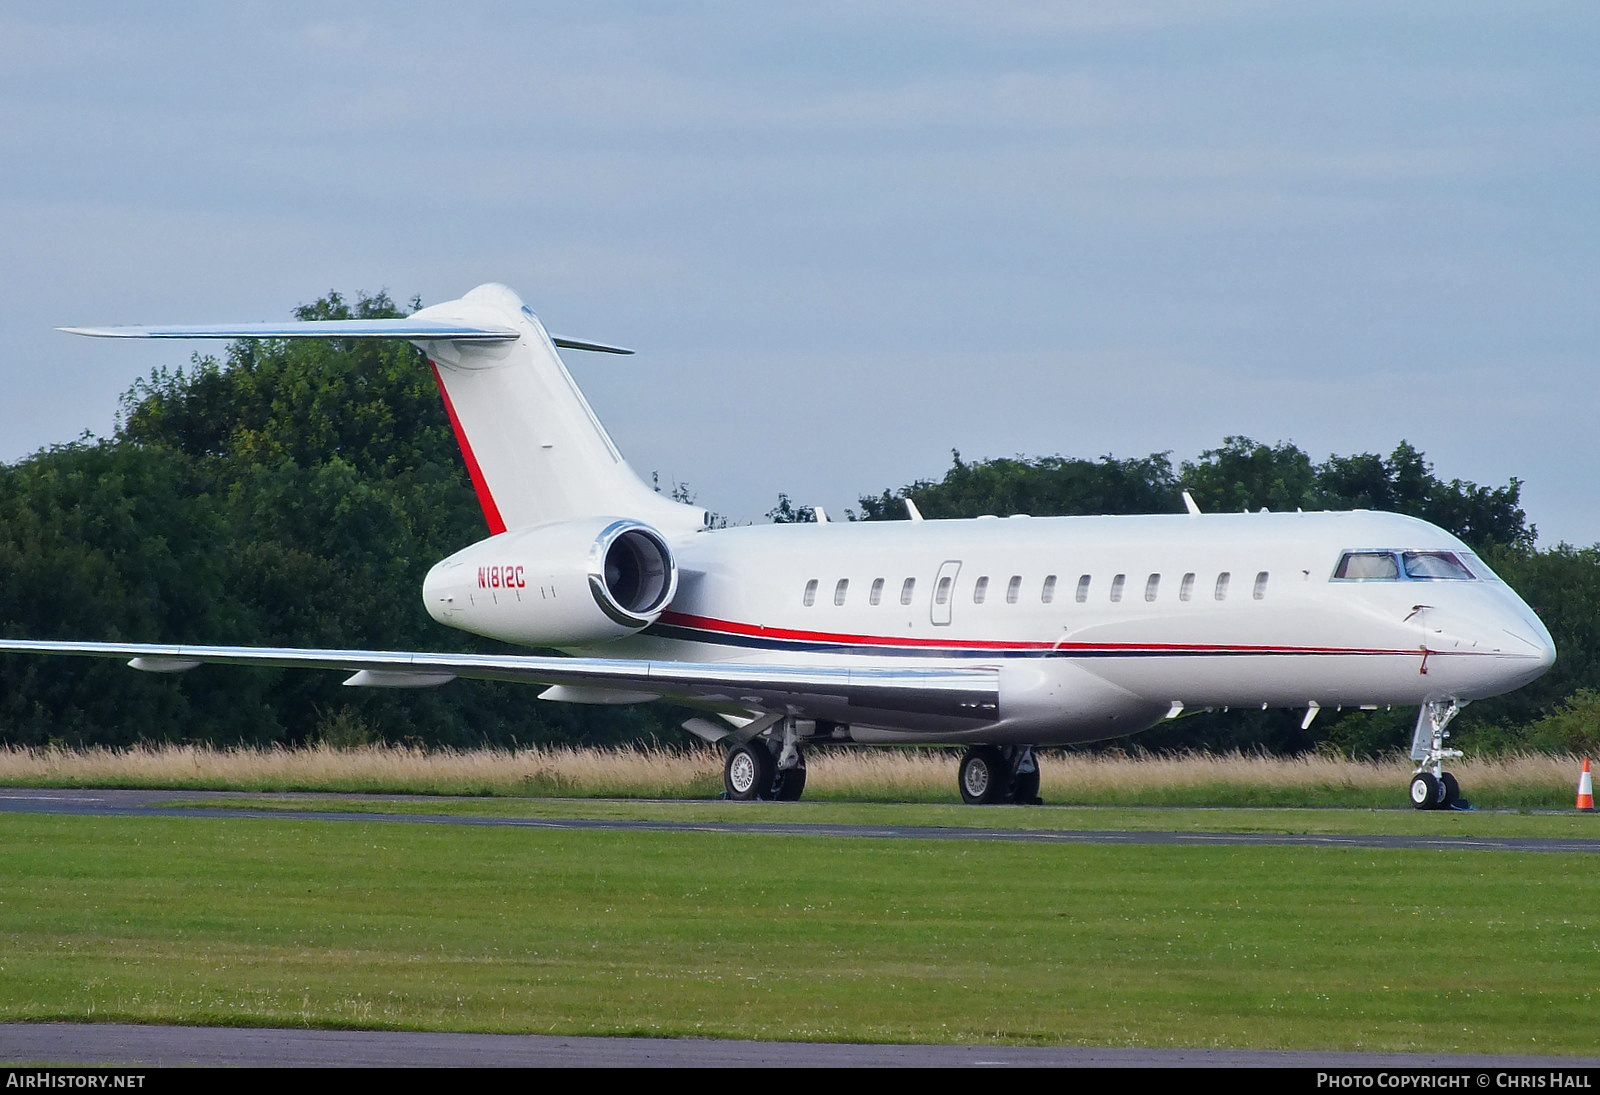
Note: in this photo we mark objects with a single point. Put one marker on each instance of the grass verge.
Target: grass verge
(1530, 781)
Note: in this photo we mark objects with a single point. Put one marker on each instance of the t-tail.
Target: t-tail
(534, 449)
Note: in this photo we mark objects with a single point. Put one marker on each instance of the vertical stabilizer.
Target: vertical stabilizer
(535, 450)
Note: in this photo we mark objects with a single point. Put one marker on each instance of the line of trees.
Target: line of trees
(295, 493)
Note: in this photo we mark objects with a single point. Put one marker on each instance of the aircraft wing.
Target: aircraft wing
(873, 696)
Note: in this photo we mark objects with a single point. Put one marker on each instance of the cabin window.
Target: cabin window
(980, 590)
(1221, 593)
(875, 597)
(840, 590)
(941, 593)
(1186, 587)
(1013, 588)
(811, 593)
(1260, 590)
(1434, 564)
(1152, 586)
(1367, 566)
(1083, 589)
(1048, 593)
(1116, 587)
(906, 590)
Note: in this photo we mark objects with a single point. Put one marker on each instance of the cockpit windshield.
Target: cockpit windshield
(1392, 566)
(1368, 566)
(1434, 564)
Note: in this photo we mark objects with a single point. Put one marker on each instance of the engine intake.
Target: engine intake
(631, 574)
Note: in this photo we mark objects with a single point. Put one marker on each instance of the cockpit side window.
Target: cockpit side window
(1367, 566)
(1433, 565)
(1480, 569)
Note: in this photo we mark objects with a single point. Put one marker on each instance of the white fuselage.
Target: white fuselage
(1099, 626)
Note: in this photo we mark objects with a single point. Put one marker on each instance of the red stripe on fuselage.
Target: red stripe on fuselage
(730, 627)
(491, 512)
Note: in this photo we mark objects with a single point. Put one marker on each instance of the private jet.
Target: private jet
(999, 635)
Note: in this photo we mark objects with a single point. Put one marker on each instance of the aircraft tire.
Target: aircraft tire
(1452, 791)
(748, 772)
(1025, 787)
(983, 776)
(1426, 792)
(791, 783)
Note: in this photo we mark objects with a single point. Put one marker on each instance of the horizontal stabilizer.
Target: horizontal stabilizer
(597, 347)
(415, 330)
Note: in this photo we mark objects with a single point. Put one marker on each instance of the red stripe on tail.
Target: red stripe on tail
(491, 512)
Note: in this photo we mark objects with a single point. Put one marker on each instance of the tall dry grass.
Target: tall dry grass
(883, 775)
(534, 771)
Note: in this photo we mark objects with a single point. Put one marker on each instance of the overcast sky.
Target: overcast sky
(848, 238)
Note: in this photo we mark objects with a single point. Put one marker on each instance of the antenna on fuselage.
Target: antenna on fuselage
(912, 511)
(1188, 504)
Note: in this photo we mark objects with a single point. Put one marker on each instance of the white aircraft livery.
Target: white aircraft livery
(1001, 635)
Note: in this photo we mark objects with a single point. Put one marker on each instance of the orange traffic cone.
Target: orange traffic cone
(1585, 788)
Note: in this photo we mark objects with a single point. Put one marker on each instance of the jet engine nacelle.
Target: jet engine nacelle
(567, 584)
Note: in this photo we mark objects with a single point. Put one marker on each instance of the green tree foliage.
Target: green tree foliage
(787, 513)
(1046, 486)
(1245, 474)
(293, 494)
(1240, 475)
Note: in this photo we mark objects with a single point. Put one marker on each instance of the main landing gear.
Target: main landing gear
(1432, 788)
(761, 769)
(994, 773)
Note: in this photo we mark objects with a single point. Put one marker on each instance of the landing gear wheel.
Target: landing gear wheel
(1025, 787)
(1452, 792)
(747, 773)
(984, 776)
(1427, 793)
(791, 783)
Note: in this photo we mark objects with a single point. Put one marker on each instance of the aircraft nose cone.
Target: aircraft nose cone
(1547, 649)
(1533, 648)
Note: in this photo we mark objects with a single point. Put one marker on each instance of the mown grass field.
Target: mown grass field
(1328, 821)
(277, 921)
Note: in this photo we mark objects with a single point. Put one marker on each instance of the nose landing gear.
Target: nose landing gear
(1432, 788)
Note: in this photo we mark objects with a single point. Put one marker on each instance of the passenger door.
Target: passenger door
(944, 593)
